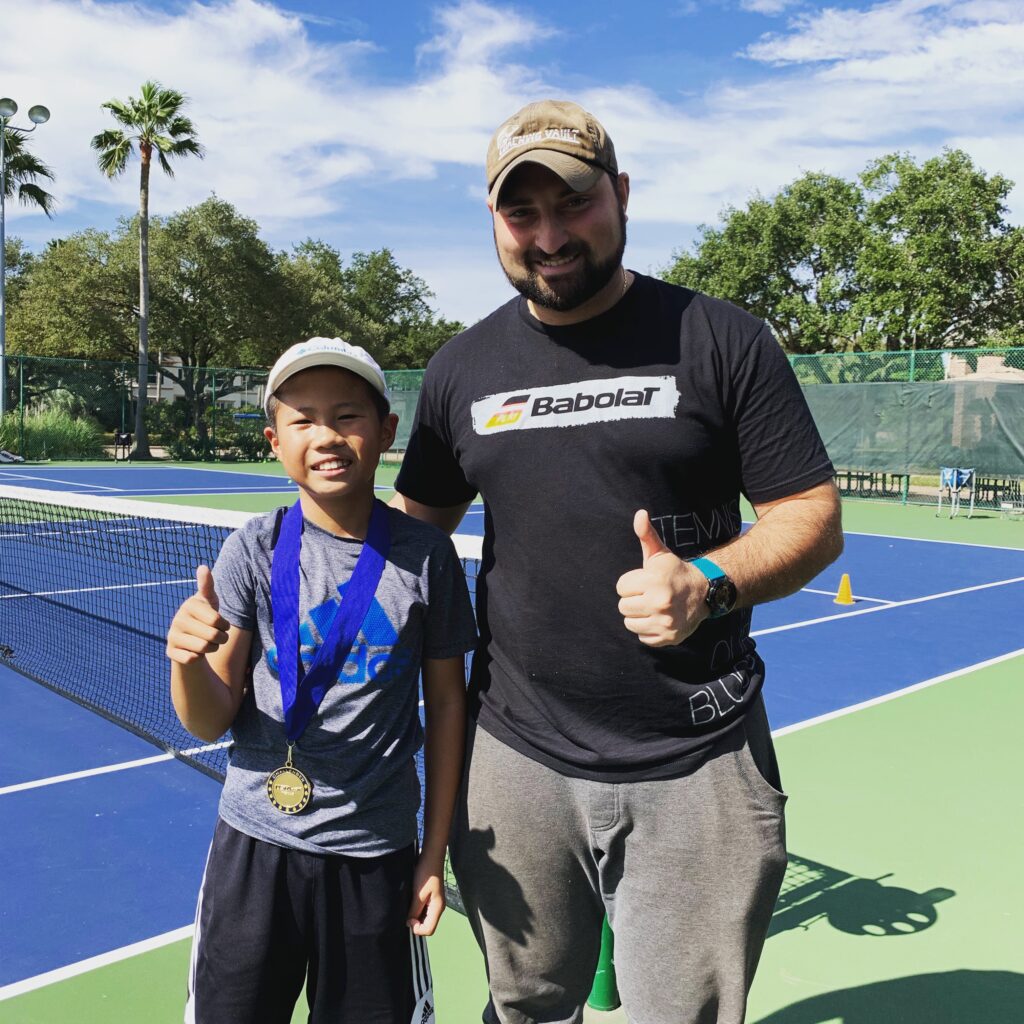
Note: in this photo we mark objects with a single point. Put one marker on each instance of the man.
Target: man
(620, 760)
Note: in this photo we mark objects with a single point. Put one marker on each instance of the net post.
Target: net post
(605, 993)
(213, 415)
(21, 406)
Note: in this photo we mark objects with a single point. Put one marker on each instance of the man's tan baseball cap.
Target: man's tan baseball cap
(556, 134)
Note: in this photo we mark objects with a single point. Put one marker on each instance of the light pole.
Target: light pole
(37, 115)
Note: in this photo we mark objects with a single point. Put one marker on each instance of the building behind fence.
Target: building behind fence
(890, 420)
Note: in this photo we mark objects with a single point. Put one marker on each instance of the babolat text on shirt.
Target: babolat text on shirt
(568, 405)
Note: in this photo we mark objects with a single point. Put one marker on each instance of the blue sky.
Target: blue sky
(365, 124)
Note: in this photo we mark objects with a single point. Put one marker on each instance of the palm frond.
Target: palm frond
(180, 126)
(33, 195)
(22, 169)
(164, 163)
(153, 118)
(113, 148)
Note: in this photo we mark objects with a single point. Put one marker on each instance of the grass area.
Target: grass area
(150, 988)
(916, 793)
(920, 521)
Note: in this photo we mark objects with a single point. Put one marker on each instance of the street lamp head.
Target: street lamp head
(8, 108)
(38, 114)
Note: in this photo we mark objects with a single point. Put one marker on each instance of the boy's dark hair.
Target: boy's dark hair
(379, 402)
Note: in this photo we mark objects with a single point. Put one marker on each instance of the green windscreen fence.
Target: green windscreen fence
(916, 428)
(891, 421)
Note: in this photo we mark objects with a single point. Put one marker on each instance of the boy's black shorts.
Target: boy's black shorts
(270, 919)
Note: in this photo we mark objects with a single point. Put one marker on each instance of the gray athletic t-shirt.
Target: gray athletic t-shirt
(359, 749)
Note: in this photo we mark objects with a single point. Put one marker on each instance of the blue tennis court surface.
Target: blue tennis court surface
(138, 481)
(109, 859)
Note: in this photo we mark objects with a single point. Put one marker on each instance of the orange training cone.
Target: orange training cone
(845, 595)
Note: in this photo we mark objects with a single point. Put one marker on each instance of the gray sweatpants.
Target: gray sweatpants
(686, 869)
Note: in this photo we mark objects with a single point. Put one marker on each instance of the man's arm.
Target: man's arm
(444, 706)
(793, 539)
(447, 518)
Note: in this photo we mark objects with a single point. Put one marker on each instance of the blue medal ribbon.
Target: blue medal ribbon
(301, 696)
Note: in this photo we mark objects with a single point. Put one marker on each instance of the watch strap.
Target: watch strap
(710, 570)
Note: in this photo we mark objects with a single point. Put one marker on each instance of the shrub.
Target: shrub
(52, 433)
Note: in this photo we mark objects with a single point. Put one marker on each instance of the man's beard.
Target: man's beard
(571, 290)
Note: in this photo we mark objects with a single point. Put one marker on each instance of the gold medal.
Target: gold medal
(288, 789)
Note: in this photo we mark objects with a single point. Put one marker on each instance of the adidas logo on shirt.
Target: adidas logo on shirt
(577, 404)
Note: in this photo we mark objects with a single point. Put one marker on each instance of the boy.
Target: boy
(313, 873)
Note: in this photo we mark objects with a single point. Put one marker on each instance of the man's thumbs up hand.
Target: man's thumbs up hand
(662, 602)
(651, 544)
(198, 628)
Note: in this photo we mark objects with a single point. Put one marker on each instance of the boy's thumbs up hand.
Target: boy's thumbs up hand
(205, 588)
(662, 602)
(198, 628)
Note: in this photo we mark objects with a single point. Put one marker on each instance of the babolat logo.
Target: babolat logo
(578, 403)
(509, 413)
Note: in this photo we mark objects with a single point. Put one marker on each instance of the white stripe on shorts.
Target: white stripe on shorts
(190, 1002)
(422, 983)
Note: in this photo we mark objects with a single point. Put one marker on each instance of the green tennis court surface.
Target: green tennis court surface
(902, 902)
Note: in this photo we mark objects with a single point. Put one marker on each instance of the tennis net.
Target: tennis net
(88, 587)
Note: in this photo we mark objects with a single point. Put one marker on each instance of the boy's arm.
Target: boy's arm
(444, 705)
(209, 659)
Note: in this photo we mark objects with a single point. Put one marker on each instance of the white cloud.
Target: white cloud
(770, 7)
(295, 129)
(284, 121)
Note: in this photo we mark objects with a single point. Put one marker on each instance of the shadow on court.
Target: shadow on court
(858, 906)
(953, 997)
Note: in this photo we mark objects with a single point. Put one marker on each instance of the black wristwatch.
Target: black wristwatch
(721, 595)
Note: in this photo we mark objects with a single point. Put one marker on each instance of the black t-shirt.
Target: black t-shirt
(671, 401)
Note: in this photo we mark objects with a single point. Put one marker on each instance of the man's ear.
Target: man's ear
(622, 190)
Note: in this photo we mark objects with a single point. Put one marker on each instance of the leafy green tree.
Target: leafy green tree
(77, 299)
(18, 260)
(23, 171)
(372, 302)
(395, 302)
(318, 296)
(907, 256)
(789, 260)
(219, 300)
(930, 271)
(155, 123)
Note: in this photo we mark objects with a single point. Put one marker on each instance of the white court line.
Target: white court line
(90, 590)
(141, 492)
(919, 540)
(932, 540)
(51, 480)
(807, 723)
(18, 988)
(856, 597)
(885, 607)
(107, 768)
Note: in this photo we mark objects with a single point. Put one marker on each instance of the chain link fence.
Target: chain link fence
(890, 420)
(74, 409)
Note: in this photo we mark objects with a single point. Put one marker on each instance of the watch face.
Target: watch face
(721, 596)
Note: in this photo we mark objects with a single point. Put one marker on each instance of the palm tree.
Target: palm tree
(22, 171)
(154, 121)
